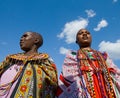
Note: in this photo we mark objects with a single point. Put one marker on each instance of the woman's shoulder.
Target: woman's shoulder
(71, 52)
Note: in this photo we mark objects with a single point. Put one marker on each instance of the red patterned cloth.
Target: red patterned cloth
(88, 74)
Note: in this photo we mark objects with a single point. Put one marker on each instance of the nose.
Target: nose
(84, 34)
(21, 39)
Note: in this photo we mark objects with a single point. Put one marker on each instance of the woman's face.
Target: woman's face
(83, 38)
(27, 41)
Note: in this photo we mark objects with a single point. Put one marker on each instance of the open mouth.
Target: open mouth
(84, 37)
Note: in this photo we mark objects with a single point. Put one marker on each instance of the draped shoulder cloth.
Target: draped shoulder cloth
(33, 76)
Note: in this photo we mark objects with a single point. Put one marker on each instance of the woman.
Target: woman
(88, 73)
(29, 74)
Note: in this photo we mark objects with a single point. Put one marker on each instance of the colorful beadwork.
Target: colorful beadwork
(87, 75)
(30, 76)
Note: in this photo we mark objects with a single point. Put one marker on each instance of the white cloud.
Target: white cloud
(63, 50)
(90, 13)
(113, 49)
(115, 0)
(118, 41)
(103, 23)
(71, 28)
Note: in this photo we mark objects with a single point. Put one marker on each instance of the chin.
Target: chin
(22, 48)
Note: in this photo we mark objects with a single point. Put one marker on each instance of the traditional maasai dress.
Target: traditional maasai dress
(32, 76)
(89, 74)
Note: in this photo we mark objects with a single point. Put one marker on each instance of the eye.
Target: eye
(25, 35)
(88, 32)
(80, 33)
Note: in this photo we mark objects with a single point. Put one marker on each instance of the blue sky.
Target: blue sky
(58, 21)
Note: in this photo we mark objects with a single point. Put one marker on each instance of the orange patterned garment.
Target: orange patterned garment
(33, 76)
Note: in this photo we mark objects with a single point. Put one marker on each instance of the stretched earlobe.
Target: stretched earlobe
(76, 41)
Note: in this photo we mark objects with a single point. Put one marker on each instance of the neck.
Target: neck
(30, 52)
(85, 48)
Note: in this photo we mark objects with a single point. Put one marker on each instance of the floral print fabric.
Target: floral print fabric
(32, 76)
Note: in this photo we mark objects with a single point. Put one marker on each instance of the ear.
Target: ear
(36, 40)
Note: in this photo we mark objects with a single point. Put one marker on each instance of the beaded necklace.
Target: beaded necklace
(22, 56)
(87, 76)
(83, 85)
(107, 78)
(101, 68)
